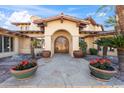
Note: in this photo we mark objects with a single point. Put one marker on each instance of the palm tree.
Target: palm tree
(112, 21)
(105, 42)
(120, 14)
(120, 29)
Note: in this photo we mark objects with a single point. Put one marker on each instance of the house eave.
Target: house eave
(6, 31)
(61, 17)
(104, 33)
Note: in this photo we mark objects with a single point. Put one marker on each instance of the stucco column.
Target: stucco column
(95, 45)
(75, 43)
(48, 42)
(16, 45)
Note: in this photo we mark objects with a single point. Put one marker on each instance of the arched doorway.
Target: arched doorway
(61, 45)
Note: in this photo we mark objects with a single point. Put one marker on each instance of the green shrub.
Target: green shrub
(83, 46)
(117, 41)
(93, 51)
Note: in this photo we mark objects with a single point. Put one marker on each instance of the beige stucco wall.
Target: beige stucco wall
(33, 27)
(89, 42)
(91, 27)
(56, 25)
(37, 35)
(38, 50)
(24, 45)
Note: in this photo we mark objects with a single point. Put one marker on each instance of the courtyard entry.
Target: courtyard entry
(61, 45)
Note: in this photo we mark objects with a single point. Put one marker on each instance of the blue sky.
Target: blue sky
(22, 13)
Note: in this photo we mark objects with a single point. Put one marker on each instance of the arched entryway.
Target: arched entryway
(61, 42)
(61, 45)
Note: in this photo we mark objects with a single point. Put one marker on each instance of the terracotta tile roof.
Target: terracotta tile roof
(90, 32)
(61, 16)
(12, 32)
(31, 31)
(101, 33)
(106, 32)
(21, 23)
(93, 22)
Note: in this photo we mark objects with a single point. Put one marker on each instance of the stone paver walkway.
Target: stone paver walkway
(61, 71)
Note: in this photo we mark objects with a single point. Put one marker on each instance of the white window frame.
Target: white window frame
(9, 44)
(2, 44)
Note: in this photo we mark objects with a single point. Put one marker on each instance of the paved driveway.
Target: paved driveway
(61, 71)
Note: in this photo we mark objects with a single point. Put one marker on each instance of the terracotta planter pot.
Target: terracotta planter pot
(46, 54)
(23, 74)
(103, 75)
(78, 54)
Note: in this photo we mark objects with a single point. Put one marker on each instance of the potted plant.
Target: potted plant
(101, 69)
(78, 53)
(82, 51)
(24, 69)
(46, 54)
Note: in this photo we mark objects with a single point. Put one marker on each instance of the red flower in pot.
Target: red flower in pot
(25, 62)
(24, 69)
(101, 61)
(102, 69)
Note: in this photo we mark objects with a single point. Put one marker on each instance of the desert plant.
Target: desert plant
(117, 41)
(93, 51)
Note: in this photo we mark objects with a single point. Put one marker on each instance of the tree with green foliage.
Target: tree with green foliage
(105, 42)
(112, 21)
(34, 43)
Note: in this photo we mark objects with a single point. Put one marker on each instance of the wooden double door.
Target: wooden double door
(61, 45)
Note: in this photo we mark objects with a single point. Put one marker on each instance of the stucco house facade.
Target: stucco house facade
(58, 34)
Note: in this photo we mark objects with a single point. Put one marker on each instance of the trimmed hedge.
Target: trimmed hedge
(93, 51)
